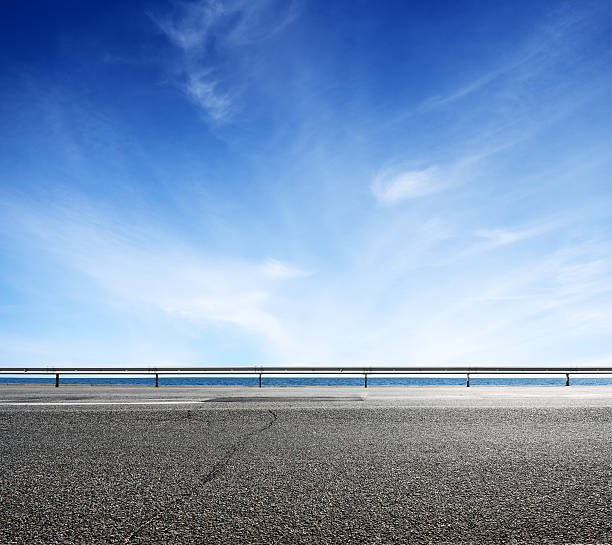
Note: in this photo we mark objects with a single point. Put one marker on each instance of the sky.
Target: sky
(241, 182)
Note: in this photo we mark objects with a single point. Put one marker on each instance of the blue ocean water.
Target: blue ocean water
(313, 381)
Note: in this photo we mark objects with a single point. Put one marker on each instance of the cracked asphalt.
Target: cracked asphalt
(325, 472)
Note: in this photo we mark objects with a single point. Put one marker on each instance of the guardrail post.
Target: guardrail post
(365, 380)
(57, 380)
(567, 382)
(260, 380)
(467, 382)
(156, 380)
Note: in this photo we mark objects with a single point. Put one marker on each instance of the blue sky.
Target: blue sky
(305, 182)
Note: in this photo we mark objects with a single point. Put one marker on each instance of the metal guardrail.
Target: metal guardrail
(261, 370)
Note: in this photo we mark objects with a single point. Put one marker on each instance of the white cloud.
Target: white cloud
(275, 269)
(502, 237)
(203, 90)
(562, 34)
(388, 304)
(393, 185)
(494, 238)
(400, 182)
(197, 28)
(187, 286)
(189, 25)
(143, 270)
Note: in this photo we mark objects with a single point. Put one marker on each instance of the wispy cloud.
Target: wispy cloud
(398, 182)
(400, 304)
(472, 87)
(189, 24)
(209, 34)
(393, 185)
(202, 89)
(502, 237)
(517, 311)
(494, 102)
(140, 267)
(479, 231)
(558, 37)
(273, 268)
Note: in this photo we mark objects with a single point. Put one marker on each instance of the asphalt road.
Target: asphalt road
(348, 470)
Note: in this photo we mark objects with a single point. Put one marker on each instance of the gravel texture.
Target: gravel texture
(270, 473)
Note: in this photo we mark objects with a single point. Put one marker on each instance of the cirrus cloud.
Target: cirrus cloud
(393, 185)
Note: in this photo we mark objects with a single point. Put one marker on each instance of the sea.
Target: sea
(475, 380)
